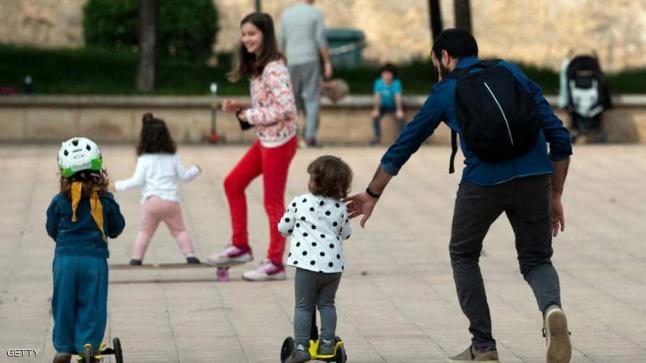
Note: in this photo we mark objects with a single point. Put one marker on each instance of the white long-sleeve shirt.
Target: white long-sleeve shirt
(158, 174)
(318, 225)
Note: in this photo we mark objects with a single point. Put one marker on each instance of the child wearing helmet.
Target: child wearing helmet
(158, 170)
(80, 219)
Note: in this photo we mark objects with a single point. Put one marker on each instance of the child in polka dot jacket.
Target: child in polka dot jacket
(318, 223)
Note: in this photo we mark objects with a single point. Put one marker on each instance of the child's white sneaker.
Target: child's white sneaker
(265, 272)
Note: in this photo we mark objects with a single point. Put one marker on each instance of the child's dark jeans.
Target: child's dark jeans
(314, 289)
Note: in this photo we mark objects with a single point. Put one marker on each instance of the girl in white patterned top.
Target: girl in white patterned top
(272, 115)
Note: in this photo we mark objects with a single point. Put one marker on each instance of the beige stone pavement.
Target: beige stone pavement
(397, 301)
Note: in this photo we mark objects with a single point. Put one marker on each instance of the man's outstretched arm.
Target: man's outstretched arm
(363, 203)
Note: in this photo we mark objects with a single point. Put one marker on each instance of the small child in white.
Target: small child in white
(158, 171)
(318, 223)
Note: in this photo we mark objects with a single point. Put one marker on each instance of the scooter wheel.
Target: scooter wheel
(118, 353)
(87, 353)
(341, 356)
(287, 349)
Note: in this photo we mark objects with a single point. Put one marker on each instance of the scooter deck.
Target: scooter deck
(314, 345)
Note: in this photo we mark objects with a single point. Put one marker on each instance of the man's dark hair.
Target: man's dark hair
(457, 42)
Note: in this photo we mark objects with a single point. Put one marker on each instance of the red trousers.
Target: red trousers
(273, 164)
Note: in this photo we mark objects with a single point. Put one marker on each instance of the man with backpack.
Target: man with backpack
(504, 124)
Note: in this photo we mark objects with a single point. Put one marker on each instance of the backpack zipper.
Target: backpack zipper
(502, 112)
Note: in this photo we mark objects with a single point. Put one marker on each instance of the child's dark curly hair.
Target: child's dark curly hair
(389, 67)
(155, 137)
(330, 177)
(92, 180)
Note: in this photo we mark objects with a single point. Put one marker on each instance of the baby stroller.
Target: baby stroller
(587, 97)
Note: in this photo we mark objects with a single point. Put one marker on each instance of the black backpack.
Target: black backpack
(497, 115)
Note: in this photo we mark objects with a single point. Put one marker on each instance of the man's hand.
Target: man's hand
(558, 216)
(558, 182)
(230, 105)
(374, 113)
(399, 114)
(361, 204)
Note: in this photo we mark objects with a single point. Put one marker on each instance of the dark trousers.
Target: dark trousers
(79, 302)
(526, 202)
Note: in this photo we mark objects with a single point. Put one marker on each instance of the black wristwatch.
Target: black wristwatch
(372, 194)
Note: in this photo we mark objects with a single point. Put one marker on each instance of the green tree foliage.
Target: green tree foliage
(186, 28)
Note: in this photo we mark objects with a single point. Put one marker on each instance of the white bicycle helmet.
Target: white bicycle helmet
(77, 154)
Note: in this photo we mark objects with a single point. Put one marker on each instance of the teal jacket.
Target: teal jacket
(82, 238)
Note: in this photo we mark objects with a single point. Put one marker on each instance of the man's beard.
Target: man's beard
(444, 71)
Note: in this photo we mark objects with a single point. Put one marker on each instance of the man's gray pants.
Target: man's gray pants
(314, 289)
(306, 85)
(526, 202)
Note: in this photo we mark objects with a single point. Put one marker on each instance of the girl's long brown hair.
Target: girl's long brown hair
(247, 64)
(91, 180)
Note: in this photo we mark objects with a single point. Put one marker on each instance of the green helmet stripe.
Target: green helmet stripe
(95, 164)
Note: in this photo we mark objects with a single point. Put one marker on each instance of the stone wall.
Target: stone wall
(540, 32)
(117, 119)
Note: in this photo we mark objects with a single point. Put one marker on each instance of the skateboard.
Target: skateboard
(157, 266)
(222, 273)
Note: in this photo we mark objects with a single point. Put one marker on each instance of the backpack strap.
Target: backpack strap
(454, 150)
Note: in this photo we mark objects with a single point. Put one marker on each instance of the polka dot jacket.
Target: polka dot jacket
(318, 225)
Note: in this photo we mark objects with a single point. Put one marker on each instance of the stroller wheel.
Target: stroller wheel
(118, 353)
(287, 349)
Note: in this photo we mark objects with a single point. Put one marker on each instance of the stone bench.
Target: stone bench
(117, 119)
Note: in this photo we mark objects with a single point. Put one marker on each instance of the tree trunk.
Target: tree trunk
(147, 45)
(462, 14)
(435, 17)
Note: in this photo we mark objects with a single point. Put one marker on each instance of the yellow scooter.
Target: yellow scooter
(89, 355)
(339, 356)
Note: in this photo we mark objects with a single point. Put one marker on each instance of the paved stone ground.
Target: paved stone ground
(397, 301)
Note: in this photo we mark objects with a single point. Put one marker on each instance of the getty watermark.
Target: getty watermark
(22, 353)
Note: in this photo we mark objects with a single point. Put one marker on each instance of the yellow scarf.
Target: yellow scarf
(95, 205)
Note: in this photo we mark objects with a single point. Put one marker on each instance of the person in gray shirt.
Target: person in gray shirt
(302, 40)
